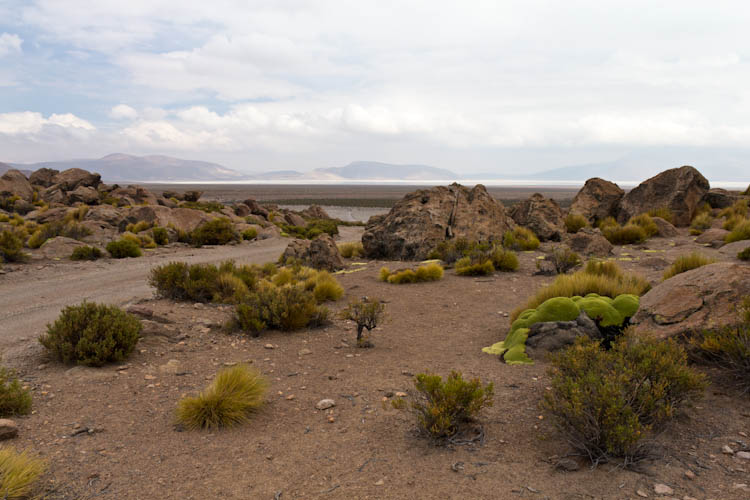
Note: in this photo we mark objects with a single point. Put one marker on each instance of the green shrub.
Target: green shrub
(69, 228)
(504, 260)
(14, 399)
(442, 407)
(232, 397)
(229, 288)
(700, 223)
(575, 222)
(123, 248)
(520, 238)
(86, 253)
(366, 313)
(18, 473)
(685, 263)
(314, 228)
(288, 307)
(431, 271)
(626, 235)
(744, 254)
(739, 233)
(351, 250)
(218, 231)
(92, 334)
(180, 281)
(249, 234)
(663, 212)
(327, 288)
(607, 403)
(449, 251)
(473, 267)
(160, 235)
(11, 247)
(563, 259)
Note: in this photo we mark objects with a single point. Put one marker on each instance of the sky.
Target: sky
(480, 86)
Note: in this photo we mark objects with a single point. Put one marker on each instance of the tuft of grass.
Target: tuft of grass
(86, 253)
(663, 212)
(646, 223)
(351, 250)
(739, 207)
(685, 263)
(430, 272)
(739, 233)
(727, 348)
(700, 223)
(230, 400)
(625, 235)
(744, 254)
(138, 226)
(474, 267)
(504, 260)
(18, 473)
(123, 248)
(732, 222)
(14, 399)
(603, 268)
(327, 288)
(575, 222)
(607, 222)
(520, 238)
(426, 272)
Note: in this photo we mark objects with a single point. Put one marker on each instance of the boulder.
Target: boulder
(315, 212)
(101, 232)
(229, 214)
(666, 229)
(589, 241)
(678, 189)
(701, 298)
(720, 198)
(714, 237)
(183, 219)
(166, 202)
(732, 249)
(70, 179)
(49, 215)
(43, 177)
(541, 215)
(107, 214)
(23, 207)
(255, 208)
(269, 232)
(84, 194)
(134, 195)
(192, 195)
(14, 183)
(320, 253)
(241, 210)
(597, 200)
(8, 429)
(294, 220)
(54, 195)
(554, 335)
(59, 247)
(424, 218)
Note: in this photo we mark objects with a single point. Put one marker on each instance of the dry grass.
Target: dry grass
(663, 212)
(520, 238)
(351, 250)
(646, 223)
(575, 222)
(426, 272)
(626, 235)
(18, 473)
(700, 223)
(685, 263)
(740, 232)
(327, 288)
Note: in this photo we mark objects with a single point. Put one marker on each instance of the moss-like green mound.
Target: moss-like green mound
(605, 310)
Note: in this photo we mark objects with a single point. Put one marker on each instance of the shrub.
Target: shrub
(18, 473)
(628, 234)
(218, 231)
(327, 288)
(160, 235)
(123, 248)
(11, 247)
(744, 254)
(738, 208)
(449, 251)
(180, 281)
(86, 253)
(700, 223)
(663, 212)
(69, 228)
(603, 268)
(647, 223)
(427, 272)
(314, 228)
(607, 222)
(366, 313)
(575, 222)
(739, 233)
(520, 238)
(92, 334)
(504, 260)
(563, 259)
(605, 403)
(430, 272)
(138, 226)
(442, 407)
(351, 250)
(287, 307)
(727, 348)
(232, 397)
(14, 399)
(249, 234)
(687, 262)
(472, 267)
(229, 288)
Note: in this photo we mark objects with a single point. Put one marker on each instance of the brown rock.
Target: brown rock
(134, 195)
(43, 177)
(320, 253)
(54, 195)
(294, 219)
(702, 298)
(424, 218)
(588, 241)
(678, 189)
(597, 200)
(714, 237)
(732, 249)
(84, 194)
(255, 208)
(59, 247)
(184, 219)
(720, 198)
(108, 214)
(192, 195)
(69, 179)
(14, 183)
(666, 229)
(315, 212)
(49, 215)
(8, 429)
(541, 215)
(269, 232)
(241, 210)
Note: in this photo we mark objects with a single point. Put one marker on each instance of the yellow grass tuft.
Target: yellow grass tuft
(687, 262)
(18, 473)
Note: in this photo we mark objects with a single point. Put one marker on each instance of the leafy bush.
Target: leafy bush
(700, 223)
(351, 250)
(18, 473)
(468, 266)
(123, 248)
(11, 247)
(563, 259)
(625, 235)
(86, 253)
(92, 334)
(575, 222)
(504, 260)
(606, 403)
(366, 313)
(442, 407)
(232, 397)
(218, 231)
(288, 307)
(249, 234)
(427, 272)
(14, 399)
(327, 288)
(520, 238)
(160, 235)
(744, 254)
(685, 263)
(739, 233)
(663, 212)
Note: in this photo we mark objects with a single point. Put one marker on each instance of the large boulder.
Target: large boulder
(182, 219)
(84, 194)
(44, 177)
(315, 212)
(541, 215)
(678, 189)
(588, 241)
(720, 198)
(705, 297)
(714, 237)
(69, 179)
(49, 215)
(551, 336)
(134, 195)
(732, 249)
(59, 247)
(424, 218)
(108, 215)
(294, 219)
(597, 200)
(666, 229)
(256, 208)
(14, 183)
(320, 253)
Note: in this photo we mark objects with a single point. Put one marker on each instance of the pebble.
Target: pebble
(662, 489)
(149, 377)
(8, 429)
(641, 493)
(379, 483)
(727, 450)
(324, 404)
(304, 352)
(331, 419)
(567, 464)
(290, 397)
(689, 474)
(269, 346)
(745, 455)
(401, 394)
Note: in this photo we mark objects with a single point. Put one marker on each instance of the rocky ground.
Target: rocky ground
(109, 433)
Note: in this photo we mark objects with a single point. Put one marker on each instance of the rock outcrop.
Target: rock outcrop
(678, 189)
(424, 218)
(541, 215)
(14, 183)
(597, 200)
(720, 198)
(70, 179)
(320, 253)
(714, 237)
(588, 241)
(666, 229)
(702, 298)
(315, 212)
(182, 219)
(554, 335)
(44, 177)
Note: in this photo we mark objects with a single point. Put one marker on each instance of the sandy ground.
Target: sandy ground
(130, 449)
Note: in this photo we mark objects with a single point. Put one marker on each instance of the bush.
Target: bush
(160, 235)
(520, 238)
(603, 268)
(606, 403)
(92, 334)
(86, 253)
(427, 272)
(733, 222)
(314, 228)
(123, 248)
(575, 222)
(138, 226)
(288, 307)
(443, 407)
(449, 251)
(18, 473)
(504, 260)
(738, 208)
(744, 254)
(700, 223)
(232, 397)
(249, 234)
(630, 233)
(14, 399)
(218, 231)
(563, 259)
(351, 250)
(739, 233)
(646, 223)
(69, 228)
(607, 222)
(366, 313)
(11, 247)
(203, 282)
(474, 267)
(663, 212)
(430, 272)
(685, 263)
(327, 288)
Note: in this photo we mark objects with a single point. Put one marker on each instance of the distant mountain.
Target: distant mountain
(154, 168)
(372, 170)
(4, 167)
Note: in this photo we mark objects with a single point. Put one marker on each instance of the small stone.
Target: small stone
(172, 366)
(407, 373)
(741, 486)
(745, 455)
(304, 352)
(268, 346)
(686, 497)
(743, 434)
(149, 377)
(567, 464)
(662, 489)
(689, 474)
(727, 450)
(324, 404)
(290, 397)
(331, 419)
(41, 367)
(350, 355)
(8, 429)
(641, 493)
(379, 483)
(401, 394)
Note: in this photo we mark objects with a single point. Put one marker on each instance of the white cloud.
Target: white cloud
(30, 123)
(9, 43)
(123, 111)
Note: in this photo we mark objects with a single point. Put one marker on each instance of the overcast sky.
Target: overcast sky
(471, 86)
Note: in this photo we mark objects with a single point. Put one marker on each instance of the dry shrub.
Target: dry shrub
(624, 235)
(733, 222)
(520, 238)
(603, 268)
(563, 259)
(685, 263)
(86, 253)
(18, 473)
(504, 260)
(326, 288)
(366, 313)
(232, 397)
(351, 250)
(14, 399)
(646, 223)
(219, 231)
(739, 233)
(700, 223)
(11, 247)
(426, 272)
(575, 222)
(469, 266)
(123, 248)
(663, 212)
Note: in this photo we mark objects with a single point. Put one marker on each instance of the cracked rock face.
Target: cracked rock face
(702, 298)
